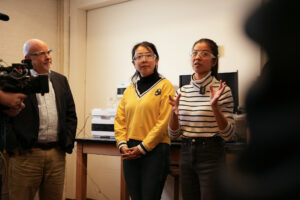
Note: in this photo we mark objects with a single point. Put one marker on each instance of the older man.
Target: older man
(42, 133)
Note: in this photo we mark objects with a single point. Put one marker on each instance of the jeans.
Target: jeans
(199, 161)
(145, 177)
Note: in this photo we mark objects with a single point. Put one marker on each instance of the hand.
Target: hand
(130, 153)
(12, 100)
(125, 150)
(215, 95)
(12, 112)
(174, 103)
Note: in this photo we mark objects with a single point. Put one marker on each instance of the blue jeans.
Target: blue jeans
(199, 161)
(145, 177)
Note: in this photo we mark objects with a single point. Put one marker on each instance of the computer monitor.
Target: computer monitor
(231, 79)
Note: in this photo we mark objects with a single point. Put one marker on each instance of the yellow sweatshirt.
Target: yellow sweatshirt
(144, 117)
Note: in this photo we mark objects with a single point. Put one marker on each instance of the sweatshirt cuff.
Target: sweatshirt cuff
(142, 148)
(225, 129)
(227, 133)
(122, 144)
(174, 133)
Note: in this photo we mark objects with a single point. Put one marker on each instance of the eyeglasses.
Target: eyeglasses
(41, 53)
(147, 56)
(203, 54)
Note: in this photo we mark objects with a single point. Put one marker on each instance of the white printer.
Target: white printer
(103, 119)
(120, 89)
(103, 123)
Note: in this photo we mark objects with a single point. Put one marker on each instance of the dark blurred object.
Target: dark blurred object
(269, 167)
(4, 17)
(18, 79)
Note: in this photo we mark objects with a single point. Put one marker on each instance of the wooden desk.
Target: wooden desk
(94, 146)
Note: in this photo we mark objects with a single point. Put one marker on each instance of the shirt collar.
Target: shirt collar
(34, 73)
(202, 82)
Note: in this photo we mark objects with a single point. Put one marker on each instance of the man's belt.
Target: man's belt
(46, 146)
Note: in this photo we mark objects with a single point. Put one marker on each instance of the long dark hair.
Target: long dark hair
(149, 46)
(214, 48)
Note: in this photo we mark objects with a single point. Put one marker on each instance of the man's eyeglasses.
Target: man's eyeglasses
(203, 54)
(147, 56)
(41, 53)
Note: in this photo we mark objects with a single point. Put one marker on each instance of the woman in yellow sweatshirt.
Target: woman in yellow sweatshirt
(141, 126)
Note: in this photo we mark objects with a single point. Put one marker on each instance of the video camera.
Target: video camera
(18, 78)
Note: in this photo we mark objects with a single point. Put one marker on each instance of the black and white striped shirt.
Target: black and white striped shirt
(196, 117)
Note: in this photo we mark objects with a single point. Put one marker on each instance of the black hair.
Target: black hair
(214, 48)
(148, 46)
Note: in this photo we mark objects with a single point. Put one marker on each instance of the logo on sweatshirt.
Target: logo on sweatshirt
(157, 92)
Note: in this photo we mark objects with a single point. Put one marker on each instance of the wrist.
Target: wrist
(122, 145)
(174, 113)
(215, 108)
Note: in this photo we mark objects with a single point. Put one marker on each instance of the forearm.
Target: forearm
(174, 121)
(1, 96)
(3, 99)
(158, 134)
(220, 118)
(120, 126)
(174, 126)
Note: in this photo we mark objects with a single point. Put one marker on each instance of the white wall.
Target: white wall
(28, 19)
(173, 26)
(99, 184)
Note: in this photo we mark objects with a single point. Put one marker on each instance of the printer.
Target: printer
(120, 89)
(103, 119)
(103, 123)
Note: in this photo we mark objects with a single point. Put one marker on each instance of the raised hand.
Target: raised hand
(215, 95)
(174, 103)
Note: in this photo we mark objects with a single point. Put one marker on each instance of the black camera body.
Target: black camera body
(19, 79)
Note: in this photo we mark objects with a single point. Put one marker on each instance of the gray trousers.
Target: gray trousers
(199, 161)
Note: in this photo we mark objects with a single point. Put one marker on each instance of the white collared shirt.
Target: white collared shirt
(48, 116)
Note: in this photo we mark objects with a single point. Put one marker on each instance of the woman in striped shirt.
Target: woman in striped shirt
(202, 115)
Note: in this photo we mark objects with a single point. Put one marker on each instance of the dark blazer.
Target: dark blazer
(22, 132)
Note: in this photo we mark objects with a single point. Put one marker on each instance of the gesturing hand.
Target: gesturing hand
(215, 95)
(174, 103)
